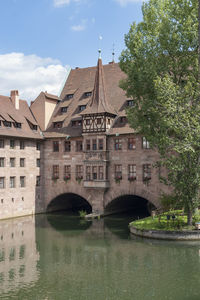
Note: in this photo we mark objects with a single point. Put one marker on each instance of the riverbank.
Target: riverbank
(167, 226)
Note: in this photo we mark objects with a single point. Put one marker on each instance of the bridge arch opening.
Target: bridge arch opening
(69, 202)
(137, 206)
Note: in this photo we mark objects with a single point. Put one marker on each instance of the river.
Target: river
(59, 256)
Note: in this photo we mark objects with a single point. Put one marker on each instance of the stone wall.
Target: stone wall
(18, 201)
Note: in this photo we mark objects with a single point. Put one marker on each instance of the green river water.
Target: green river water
(50, 257)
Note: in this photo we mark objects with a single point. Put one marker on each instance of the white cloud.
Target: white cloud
(60, 3)
(125, 2)
(80, 27)
(30, 74)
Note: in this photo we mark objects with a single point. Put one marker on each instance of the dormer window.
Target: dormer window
(87, 94)
(64, 109)
(122, 119)
(57, 124)
(82, 107)
(130, 103)
(76, 123)
(69, 96)
(34, 127)
(7, 124)
(17, 125)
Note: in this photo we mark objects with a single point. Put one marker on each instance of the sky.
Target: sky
(40, 40)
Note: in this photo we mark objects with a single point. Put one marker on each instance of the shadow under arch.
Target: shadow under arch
(67, 224)
(139, 206)
(69, 202)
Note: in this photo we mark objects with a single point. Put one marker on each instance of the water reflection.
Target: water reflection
(18, 254)
(99, 262)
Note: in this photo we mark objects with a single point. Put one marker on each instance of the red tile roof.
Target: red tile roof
(9, 113)
(83, 80)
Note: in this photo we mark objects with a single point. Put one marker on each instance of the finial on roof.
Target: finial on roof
(113, 53)
(100, 38)
(99, 53)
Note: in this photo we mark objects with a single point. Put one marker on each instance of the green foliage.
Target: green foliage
(82, 213)
(161, 63)
(161, 222)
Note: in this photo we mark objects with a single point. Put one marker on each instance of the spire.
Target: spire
(99, 103)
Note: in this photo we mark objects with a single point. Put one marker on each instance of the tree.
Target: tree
(161, 63)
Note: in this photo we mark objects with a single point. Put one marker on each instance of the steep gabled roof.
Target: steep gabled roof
(79, 82)
(9, 113)
(99, 102)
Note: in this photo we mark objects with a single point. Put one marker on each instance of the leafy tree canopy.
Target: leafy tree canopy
(161, 63)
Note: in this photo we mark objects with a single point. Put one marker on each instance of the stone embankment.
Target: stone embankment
(189, 235)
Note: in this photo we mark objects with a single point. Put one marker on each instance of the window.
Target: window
(82, 107)
(131, 172)
(12, 162)
(87, 121)
(67, 146)
(21, 145)
(146, 172)
(38, 162)
(94, 172)
(94, 144)
(18, 125)
(130, 103)
(100, 172)
(118, 144)
(7, 124)
(12, 182)
(57, 124)
(55, 173)
(98, 121)
(22, 181)
(79, 146)
(131, 143)
(100, 144)
(12, 144)
(69, 96)
(2, 162)
(79, 172)
(55, 146)
(64, 109)
(76, 123)
(1, 143)
(88, 173)
(38, 145)
(122, 119)
(67, 172)
(22, 162)
(145, 143)
(87, 145)
(87, 94)
(118, 172)
(2, 182)
(37, 180)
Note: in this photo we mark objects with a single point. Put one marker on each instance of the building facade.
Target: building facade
(78, 149)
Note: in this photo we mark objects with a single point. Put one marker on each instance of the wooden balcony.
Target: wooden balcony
(96, 184)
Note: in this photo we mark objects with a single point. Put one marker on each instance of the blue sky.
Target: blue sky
(42, 39)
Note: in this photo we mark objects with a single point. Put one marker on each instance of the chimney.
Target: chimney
(14, 95)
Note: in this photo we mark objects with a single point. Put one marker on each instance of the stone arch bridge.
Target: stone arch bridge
(119, 197)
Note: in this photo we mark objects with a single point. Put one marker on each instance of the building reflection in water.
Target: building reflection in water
(18, 254)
